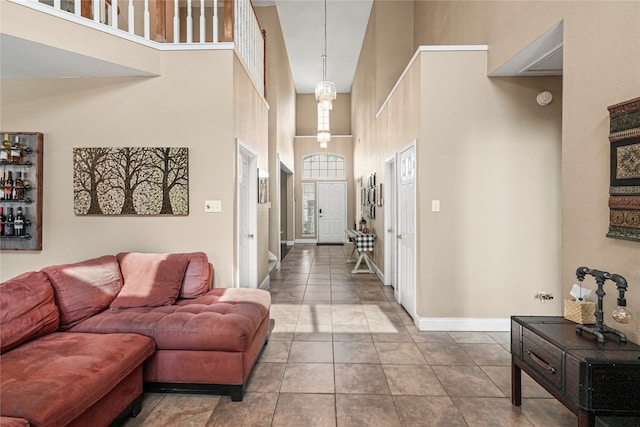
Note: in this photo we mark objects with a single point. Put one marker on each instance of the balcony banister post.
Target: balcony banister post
(227, 31)
(85, 9)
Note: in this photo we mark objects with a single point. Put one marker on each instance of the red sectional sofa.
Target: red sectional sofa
(79, 340)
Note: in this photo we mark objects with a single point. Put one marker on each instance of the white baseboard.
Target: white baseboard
(290, 242)
(377, 271)
(306, 240)
(460, 324)
(265, 283)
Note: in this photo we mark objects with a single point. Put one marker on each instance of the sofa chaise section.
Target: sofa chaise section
(65, 379)
(50, 378)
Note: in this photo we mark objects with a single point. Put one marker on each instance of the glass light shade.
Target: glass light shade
(324, 138)
(621, 315)
(323, 118)
(326, 93)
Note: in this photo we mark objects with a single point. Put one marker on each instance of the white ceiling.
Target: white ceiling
(302, 23)
(21, 58)
(543, 57)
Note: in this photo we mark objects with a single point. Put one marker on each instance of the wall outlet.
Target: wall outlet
(543, 296)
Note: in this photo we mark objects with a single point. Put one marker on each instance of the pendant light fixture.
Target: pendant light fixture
(325, 94)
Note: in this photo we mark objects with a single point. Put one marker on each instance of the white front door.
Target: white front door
(407, 228)
(247, 195)
(332, 212)
(390, 236)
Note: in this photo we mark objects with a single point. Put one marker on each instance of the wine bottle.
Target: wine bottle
(8, 186)
(2, 220)
(5, 151)
(8, 225)
(16, 151)
(18, 187)
(18, 224)
(4, 174)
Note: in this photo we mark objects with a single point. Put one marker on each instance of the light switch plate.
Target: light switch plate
(213, 205)
(435, 206)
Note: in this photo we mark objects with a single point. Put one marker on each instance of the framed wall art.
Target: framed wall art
(624, 190)
(379, 200)
(263, 186)
(131, 181)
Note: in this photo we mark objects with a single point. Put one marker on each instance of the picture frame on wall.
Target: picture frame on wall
(372, 196)
(263, 186)
(364, 198)
(624, 186)
(379, 200)
(372, 180)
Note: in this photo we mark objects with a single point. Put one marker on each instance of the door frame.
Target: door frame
(244, 150)
(390, 225)
(344, 204)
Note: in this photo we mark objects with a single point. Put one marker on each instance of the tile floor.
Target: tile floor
(344, 353)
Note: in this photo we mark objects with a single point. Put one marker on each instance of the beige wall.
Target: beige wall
(307, 115)
(281, 97)
(594, 58)
(174, 109)
(601, 68)
(491, 155)
(341, 145)
(251, 126)
(183, 107)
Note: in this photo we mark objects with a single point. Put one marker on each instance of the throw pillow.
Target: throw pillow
(198, 277)
(85, 288)
(150, 280)
(27, 309)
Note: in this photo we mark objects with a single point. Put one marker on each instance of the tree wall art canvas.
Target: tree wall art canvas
(131, 181)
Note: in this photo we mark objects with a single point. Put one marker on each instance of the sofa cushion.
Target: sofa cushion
(197, 277)
(150, 280)
(27, 310)
(223, 320)
(52, 380)
(84, 288)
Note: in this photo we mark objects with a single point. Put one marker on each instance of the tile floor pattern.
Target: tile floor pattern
(344, 353)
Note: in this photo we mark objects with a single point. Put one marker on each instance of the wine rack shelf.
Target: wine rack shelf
(23, 161)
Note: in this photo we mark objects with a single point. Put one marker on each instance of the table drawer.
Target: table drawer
(547, 363)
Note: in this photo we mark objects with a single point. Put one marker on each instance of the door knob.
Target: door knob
(250, 236)
(390, 230)
(400, 236)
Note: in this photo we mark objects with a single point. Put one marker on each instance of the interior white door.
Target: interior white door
(247, 194)
(332, 212)
(407, 228)
(390, 237)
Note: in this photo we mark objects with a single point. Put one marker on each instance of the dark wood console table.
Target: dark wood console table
(588, 378)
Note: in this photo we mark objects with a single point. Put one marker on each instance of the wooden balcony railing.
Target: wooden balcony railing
(172, 21)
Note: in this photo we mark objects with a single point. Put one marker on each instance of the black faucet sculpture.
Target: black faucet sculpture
(599, 329)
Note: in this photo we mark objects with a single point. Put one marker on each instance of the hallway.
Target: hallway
(344, 353)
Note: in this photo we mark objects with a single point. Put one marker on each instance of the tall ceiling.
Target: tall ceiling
(302, 23)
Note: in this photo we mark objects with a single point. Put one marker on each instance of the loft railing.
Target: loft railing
(181, 22)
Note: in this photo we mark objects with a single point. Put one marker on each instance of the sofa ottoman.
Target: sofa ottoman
(205, 344)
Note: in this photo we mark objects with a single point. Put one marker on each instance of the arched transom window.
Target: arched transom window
(323, 166)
